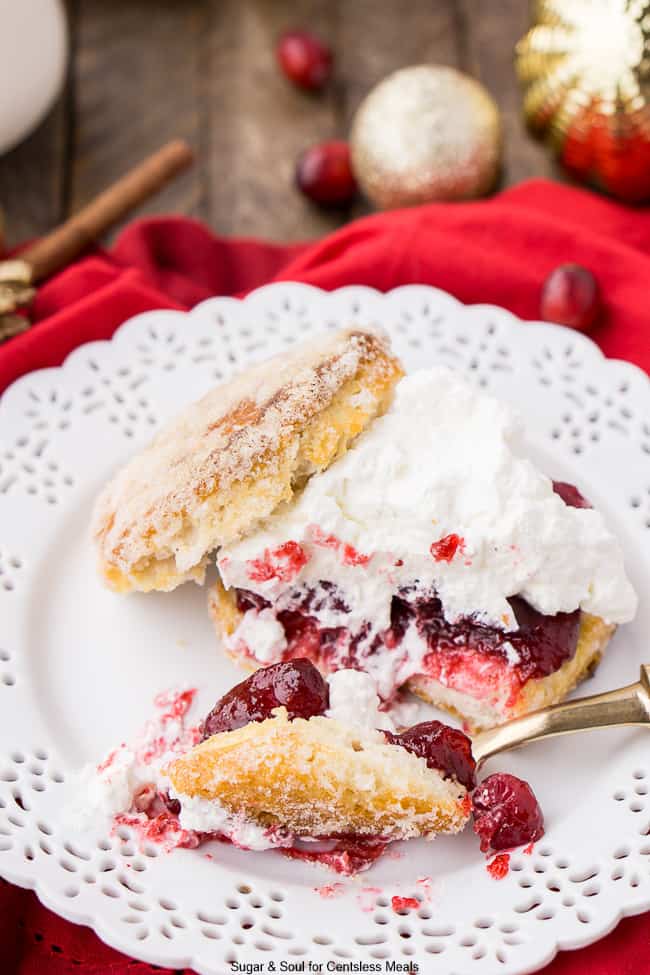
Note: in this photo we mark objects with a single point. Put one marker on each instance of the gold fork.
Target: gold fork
(626, 706)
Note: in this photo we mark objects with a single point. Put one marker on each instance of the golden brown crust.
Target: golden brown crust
(229, 460)
(222, 607)
(319, 777)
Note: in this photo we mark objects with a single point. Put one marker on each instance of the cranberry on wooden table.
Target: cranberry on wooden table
(324, 174)
(295, 685)
(304, 59)
(571, 296)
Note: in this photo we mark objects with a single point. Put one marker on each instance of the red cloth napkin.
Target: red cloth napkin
(497, 251)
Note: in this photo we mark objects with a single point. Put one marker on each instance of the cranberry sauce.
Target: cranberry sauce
(506, 813)
(296, 685)
(303, 599)
(541, 644)
(346, 855)
(250, 600)
(305, 638)
(445, 749)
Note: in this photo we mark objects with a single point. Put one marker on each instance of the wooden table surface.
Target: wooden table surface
(145, 71)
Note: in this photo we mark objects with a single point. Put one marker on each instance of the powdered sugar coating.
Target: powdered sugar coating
(161, 515)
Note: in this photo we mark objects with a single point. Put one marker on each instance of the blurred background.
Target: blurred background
(141, 72)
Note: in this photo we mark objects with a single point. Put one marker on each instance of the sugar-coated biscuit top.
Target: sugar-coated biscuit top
(229, 459)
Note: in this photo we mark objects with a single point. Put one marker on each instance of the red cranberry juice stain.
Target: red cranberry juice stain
(329, 891)
(401, 904)
(499, 867)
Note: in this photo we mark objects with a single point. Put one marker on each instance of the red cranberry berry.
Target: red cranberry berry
(570, 495)
(283, 563)
(571, 296)
(445, 548)
(445, 749)
(324, 174)
(506, 813)
(172, 805)
(304, 59)
(296, 685)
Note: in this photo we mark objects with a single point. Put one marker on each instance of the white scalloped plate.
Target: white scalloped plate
(79, 666)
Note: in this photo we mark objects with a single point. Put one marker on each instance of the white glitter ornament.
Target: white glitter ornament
(426, 133)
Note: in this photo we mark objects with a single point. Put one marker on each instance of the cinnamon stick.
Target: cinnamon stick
(66, 242)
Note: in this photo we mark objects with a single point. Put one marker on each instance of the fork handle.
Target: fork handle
(626, 706)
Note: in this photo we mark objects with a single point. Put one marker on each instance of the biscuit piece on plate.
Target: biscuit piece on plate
(228, 461)
(321, 769)
(319, 778)
(286, 761)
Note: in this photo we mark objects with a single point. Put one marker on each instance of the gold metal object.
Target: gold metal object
(11, 325)
(15, 270)
(16, 292)
(626, 706)
(585, 68)
(427, 132)
(15, 285)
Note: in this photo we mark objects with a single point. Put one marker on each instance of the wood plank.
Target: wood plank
(376, 39)
(259, 123)
(205, 70)
(490, 35)
(33, 176)
(138, 81)
(32, 179)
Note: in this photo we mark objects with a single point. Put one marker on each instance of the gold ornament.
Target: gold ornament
(15, 285)
(585, 66)
(16, 291)
(12, 325)
(426, 133)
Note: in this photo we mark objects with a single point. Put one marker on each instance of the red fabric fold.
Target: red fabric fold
(495, 251)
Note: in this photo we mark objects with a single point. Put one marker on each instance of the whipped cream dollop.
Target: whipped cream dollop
(262, 630)
(205, 816)
(354, 701)
(125, 787)
(131, 773)
(438, 495)
(103, 791)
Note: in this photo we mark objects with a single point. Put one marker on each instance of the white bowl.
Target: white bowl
(33, 56)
